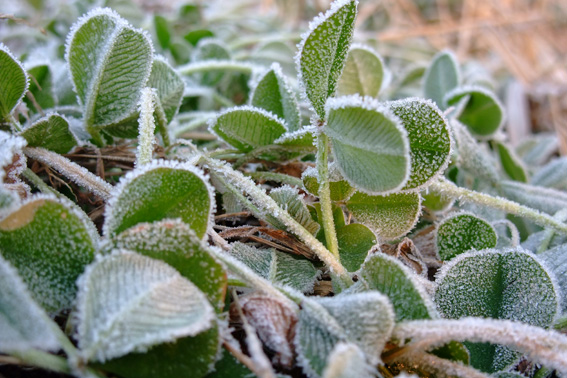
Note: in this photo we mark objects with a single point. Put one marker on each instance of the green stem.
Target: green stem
(257, 152)
(36, 181)
(95, 135)
(325, 195)
(277, 177)
(511, 207)
(146, 128)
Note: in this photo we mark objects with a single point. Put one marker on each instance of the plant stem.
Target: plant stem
(511, 207)
(161, 122)
(325, 194)
(36, 181)
(72, 171)
(277, 177)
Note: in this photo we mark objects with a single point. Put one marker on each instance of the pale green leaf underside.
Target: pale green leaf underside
(323, 52)
(110, 63)
(441, 77)
(388, 216)
(363, 73)
(51, 133)
(482, 113)
(49, 243)
(355, 240)
(340, 190)
(370, 148)
(556, 260)
(23, 324)
(274, 94)
(429, 139)
(289, 199)
(463, 232)
(544, 199)
(128, 302)
(247, 128)
(552, 175)
(169, 87)
(346, 361)
(388, 276)
(13, 82)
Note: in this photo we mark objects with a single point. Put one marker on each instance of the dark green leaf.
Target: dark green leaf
(355, 240)
(169, 87)
(14, 82)
(163, 33)
(52, 133)
(463, 232)
(511, 164)
(441, 77)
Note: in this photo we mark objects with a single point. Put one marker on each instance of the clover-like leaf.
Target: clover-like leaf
(169, 86)
(463, 232)
(511, 164)
(274, 94)
(157, 191)
(323, 52)
(173, 242)
(370, 145)
(340, 188)
(110, 63)
(51, 132)
(246, 127)
(354, 240)
(14, 82)
(429, 139)
(41, 87)
(441, 77)
(49, 241)
(23, 324)
(390, 217)
(128, 302)
(409, 298)
(363, 73)
(482, 112)
(290, 200)
(502, 284)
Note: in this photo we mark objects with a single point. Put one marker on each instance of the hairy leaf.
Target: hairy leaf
(355, 240)
(544, 199)
(556, 260)
(52, 133)
(441, 77)
(14, 82)
(462, 232)
(552, 175)
(289, 199)
(363, 73)
(169, 87)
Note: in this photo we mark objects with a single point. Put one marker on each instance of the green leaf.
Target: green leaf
(355, 240)
(473, 156)
(210, 49)
(157, 191)
(369, 143)
(173, 242)
(128, 302)
(463, 232)
(290, 200)
(338, 219)
(347, 360)
(390, 217)
(441, 77)
(340, 188)
(14, 82)
(482, 112)
(552, 175)
(23, 324)
(194, 36)
(453, 351)
(363, 73)
(49, 241)
(51, 132)
(502, 284)
(274, 94)
(511, 164)
(246, 127)
(544, 199)
(409, 298)
(556, 260)
(110, 63)
(429, 139)
(163, 34)
(323, 52)
(41, 87)
(229, 367)
(278, 267)
(169, 87)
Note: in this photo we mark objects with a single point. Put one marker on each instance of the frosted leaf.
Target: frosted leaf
(355, 241)
(390, 217)
(169, 86)
(14, 83)
(278, 267)
(274, 94)
(157, 191)
(544, 199)
(291, 201)
(51, 132)
(23, 324)
(322, 52)
(441, 77)
(173, 242)
(472, 155)
(146, 126)
(49, 241)
(463, 232)
(10, 151)
(482, 112)
(128, 303)
(555, 259)
(369, 143)
(246, 127)
(427, 365)
(408, 296)
(41, 86)
(503, 284)
(340, 188)
(301, 137)
(346, 361)
(363, 73)
(429, 139)
(367, 319)
(210, 49)
(110, 62)
(538, 149)
(552, 175)
(436, 201)
(511, 164)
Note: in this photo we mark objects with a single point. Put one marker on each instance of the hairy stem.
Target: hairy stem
(36, 181)
(511, 207)
(147, 126)
(33, 357)
(161, 121)
(325, 194)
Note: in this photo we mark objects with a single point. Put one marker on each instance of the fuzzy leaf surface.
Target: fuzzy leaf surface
(49, 242)
(441, 77)
(128, 302)
(52, 133)
(289, 199)
(340, 189)
(544, 199)
(552, 175)
(13, 82)
(363, 73)
(323, 52)
(41, 86)
(482, 112)
(169, 87)
(355, 240)
(461, 233)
